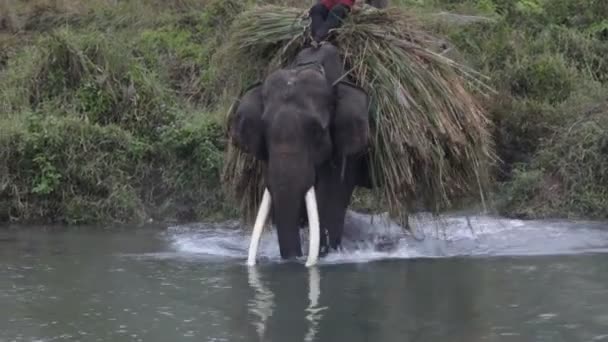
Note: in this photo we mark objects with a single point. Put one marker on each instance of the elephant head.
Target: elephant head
(297, 119)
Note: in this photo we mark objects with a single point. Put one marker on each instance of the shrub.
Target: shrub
(566, 177)
(191, 153)
(93, 75)
(60, 166)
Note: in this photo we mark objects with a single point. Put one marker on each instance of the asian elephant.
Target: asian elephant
(310, 127)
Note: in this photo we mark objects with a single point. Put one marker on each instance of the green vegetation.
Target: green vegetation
(113, 111)
(548, 61)
(102, 120)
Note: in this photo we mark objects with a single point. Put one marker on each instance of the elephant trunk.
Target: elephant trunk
(291, 188)
(287, 209)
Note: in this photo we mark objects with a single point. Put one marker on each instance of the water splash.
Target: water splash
(370, 238)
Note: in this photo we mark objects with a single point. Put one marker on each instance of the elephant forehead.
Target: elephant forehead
(294, 77)
(291, 119)
(304, 91)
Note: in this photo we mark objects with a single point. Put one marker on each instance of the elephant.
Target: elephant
(310, 127)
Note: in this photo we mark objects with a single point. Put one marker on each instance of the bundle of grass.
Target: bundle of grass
(431, 141)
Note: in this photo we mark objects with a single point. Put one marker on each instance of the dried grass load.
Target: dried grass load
(431, 142)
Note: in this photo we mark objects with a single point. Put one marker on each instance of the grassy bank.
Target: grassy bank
(547, 59)
(105, 115)
(114, 112)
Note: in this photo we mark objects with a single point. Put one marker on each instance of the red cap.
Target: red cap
(331, 3)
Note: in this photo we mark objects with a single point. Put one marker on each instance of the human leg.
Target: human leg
(318, 14)
(334, 19)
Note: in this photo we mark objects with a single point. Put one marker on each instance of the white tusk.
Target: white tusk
(313, 227)
(260, 220)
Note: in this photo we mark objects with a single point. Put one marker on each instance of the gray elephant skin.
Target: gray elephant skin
(310, 127)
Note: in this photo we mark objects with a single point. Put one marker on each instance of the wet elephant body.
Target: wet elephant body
(310, 127)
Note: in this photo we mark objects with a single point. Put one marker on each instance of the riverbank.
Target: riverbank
(547, 60)
(114, 112)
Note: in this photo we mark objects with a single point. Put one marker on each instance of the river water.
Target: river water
(477, 279)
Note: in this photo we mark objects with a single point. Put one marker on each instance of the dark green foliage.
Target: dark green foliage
(97, 131)
(109, 110)
(567, 176)
(91, 74)
(544, 77)
(184, 48)
(191, 155)
(545, 56)
(63, 169)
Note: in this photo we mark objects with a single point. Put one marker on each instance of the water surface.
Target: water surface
(484, 280)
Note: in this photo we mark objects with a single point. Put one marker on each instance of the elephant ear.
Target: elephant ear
(351, 119)
(245, 122)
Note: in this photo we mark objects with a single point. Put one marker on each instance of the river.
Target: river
(477, 279)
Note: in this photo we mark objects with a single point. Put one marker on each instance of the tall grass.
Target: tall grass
(92, 128)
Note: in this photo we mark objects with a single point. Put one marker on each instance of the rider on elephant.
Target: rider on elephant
(329, 14)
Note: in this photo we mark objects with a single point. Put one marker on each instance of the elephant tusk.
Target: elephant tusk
(314, 227)
(260, 220)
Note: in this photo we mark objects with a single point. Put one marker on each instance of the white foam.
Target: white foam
(376, 238)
